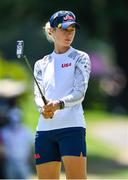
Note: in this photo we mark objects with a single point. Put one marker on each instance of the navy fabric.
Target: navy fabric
(52, 145)
(63, 19)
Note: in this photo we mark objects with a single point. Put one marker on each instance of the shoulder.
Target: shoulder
(82, 54)
(78, 54)
(83, 61)
(41, 62)
(82, 57)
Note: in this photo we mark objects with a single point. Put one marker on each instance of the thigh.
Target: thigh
(46, 149)
(75, 167)
(72, 142)
(47, 156)
(73, 151)
(49, 170)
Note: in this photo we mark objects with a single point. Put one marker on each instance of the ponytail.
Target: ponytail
(47, 32)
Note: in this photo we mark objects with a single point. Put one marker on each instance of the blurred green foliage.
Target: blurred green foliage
(102, 20)
(16, 70)
(12, 70)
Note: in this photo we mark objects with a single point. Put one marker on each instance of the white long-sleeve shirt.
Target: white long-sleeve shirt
(63, 77)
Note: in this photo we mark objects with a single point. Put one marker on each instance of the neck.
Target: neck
(61, 50)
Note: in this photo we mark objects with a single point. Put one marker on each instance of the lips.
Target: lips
(68, 40)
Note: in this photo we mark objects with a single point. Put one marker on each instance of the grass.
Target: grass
(102, 156)
(100, 148)
(97, 115)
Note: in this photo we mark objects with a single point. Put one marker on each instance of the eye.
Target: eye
(70, 30)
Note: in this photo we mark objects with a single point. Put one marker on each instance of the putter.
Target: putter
(20, 55)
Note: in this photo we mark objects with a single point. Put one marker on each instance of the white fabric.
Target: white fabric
(64, 77)
(18, 141)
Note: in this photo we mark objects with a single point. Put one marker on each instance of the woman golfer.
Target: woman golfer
(63, 77)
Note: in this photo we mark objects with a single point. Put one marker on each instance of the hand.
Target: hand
(50, 108)
(47, 113)
(52, 105)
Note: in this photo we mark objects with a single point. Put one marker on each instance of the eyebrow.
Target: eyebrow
(70, 29)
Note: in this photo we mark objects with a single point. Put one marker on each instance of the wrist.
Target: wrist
(61, 104)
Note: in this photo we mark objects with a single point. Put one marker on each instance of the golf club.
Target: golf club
(20, 55)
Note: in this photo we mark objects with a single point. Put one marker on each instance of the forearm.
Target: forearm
(38, 75)
(76, 97)
(39, 103)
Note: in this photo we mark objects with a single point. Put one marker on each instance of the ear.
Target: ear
(51, 30)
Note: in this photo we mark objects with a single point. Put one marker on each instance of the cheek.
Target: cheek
(60, 36)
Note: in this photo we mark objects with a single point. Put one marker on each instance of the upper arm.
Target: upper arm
(82, 72)
(37, 71)
(84, 65)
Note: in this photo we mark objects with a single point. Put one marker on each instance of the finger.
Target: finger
(48, 117)
(48, 114)
(47, 111)
(47, 107)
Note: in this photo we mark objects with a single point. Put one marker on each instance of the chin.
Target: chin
(67, 44)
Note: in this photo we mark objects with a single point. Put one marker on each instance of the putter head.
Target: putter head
(20, 49)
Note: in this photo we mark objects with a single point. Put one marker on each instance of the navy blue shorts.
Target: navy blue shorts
(52, 145)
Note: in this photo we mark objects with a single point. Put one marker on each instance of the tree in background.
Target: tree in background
(101, 21)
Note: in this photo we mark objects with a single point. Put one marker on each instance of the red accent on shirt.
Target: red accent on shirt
(66, 65)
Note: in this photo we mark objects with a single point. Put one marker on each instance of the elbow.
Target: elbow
(74, 99)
